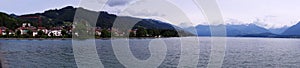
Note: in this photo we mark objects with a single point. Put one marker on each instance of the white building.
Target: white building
(98, 33)
(55, 33)
(35, 33)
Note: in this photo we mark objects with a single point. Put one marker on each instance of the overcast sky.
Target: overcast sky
(266, 13)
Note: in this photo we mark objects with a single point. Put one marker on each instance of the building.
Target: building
(133, 31)
(68, 29)
(2, 30)
(43, 29)
(56, 31)
(11, 32)
(25, 28)
(34, 33)
(98, 31)
(117, 32)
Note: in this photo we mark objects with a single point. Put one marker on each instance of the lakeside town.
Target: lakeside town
(29, 31)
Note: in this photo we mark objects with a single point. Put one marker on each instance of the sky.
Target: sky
(265, 13)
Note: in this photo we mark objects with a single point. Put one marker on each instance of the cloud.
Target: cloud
(267, 21)
(271, 22)
(234, 21)
(185, 24)
(113, 3)
(144, 13)
(156, 9)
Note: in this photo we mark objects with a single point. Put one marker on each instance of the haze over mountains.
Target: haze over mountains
(249, 30)
(278, 30)
(232, 30)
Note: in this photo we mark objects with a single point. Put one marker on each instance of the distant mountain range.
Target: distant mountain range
(232, 30)
(249, 30)
(294, 30)
(278, 30)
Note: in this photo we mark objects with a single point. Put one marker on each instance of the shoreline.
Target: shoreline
(129, 38)
(35, 38)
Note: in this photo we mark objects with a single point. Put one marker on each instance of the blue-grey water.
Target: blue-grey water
(240, 53)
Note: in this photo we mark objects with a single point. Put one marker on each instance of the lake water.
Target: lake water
(240, 53)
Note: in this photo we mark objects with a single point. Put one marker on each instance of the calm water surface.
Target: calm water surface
(240, 53)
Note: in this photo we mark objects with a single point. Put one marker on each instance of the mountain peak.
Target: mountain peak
(68, 7)
(294, 30)
(233, 29)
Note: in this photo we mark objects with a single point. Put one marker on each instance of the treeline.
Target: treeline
(140, 33)
(9, 21)
(105, 33)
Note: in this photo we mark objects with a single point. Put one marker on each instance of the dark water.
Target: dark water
(240, 53)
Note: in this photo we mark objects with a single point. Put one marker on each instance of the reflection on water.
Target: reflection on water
(240, 53)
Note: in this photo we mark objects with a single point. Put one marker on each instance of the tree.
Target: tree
(156, 32)
(151, 33)
(105, 33)
(44, 36)
(81, 28)
(18, 33)
(7, 33)
(40, 33)
(169, 33)
(141, 32)
(30, 33)
(64, 33)
(131, 34)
